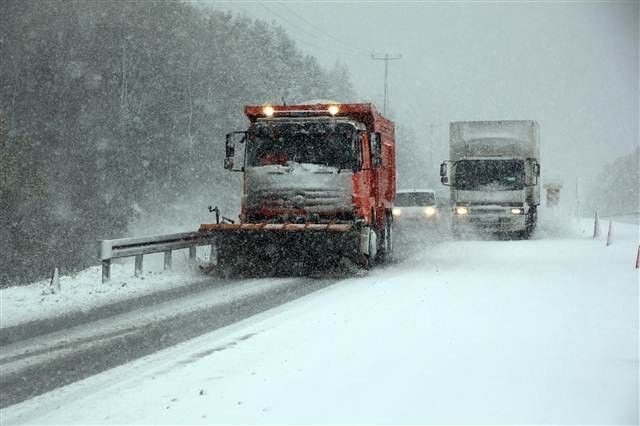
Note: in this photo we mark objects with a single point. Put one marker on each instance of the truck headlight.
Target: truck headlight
(333, 109)
(396, 211)
(429, 211)
(517, 211)
(461, 211)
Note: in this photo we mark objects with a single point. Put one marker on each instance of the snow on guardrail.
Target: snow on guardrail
(139, 246)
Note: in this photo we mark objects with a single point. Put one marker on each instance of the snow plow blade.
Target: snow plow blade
(250, 249)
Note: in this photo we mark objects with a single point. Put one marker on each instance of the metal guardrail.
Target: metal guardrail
(139, 246)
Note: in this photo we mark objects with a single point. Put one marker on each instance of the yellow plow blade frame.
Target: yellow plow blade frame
(332, 227)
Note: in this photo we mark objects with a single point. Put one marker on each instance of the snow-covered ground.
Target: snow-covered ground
(540, 331)
(84, 291)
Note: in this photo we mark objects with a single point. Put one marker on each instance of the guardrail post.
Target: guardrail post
(192, 255)
(138, 265)
(167, 260)
(106, 270)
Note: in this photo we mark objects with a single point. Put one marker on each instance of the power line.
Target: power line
(355, 49)
(298, 40)
(345, 50)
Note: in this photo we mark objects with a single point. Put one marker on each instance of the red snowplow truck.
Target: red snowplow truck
(319, 182)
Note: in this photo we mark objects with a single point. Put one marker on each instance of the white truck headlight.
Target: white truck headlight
(429, 211)
(461, 211)
(517, 211)
(396, 211)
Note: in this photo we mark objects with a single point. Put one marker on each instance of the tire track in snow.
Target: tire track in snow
(38, 365)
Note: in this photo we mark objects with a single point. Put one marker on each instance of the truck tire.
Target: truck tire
(367, 251)
(386, 254)
(532, 218)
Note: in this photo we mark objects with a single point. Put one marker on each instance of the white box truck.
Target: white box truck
(493, 173)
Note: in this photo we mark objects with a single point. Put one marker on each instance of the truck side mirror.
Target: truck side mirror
(230, 149)
(444, 179)
(537, 170)
(443, 169)
(228, 163)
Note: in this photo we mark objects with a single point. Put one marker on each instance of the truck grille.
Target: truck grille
(296, 199)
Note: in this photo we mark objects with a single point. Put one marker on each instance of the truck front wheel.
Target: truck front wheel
(387, 239)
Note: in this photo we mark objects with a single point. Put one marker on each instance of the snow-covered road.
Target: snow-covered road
(46, 361)
(540, 331)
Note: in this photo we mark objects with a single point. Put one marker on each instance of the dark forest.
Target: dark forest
(110, 110)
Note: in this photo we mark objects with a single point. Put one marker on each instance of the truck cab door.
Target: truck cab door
(531, 172)
(362, 175)
(375, 160)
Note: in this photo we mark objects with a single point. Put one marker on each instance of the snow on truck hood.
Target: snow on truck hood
(312, 187)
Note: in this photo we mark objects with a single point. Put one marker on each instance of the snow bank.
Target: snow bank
(84, 290)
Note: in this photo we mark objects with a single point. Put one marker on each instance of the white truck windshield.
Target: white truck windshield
(496, 175)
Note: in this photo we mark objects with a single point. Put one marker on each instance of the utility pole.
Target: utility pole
(386, 58)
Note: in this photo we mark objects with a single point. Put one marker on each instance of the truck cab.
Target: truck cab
(493, 176)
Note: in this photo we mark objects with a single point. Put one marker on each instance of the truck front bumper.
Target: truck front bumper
(491, 222)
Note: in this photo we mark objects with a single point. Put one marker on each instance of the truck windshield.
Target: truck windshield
(328, 144)
(489, 175)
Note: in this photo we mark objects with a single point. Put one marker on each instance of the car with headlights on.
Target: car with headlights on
(415, 207)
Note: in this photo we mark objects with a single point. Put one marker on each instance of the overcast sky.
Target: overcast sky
(573, 67)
